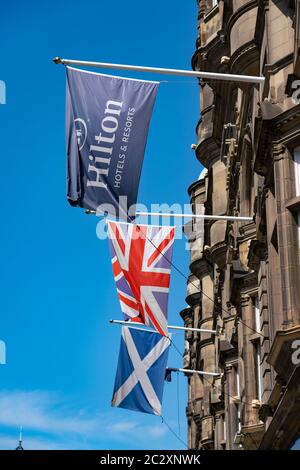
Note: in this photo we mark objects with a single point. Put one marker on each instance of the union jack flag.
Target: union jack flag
(141, 262)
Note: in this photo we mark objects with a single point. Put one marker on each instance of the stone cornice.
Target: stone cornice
(186, 315)
(218, 253)
(244, 57)
(247, 231)
(272, 69)
(193, 299)
(213, 47)
(278, 151)
(204, 342)
(281, 128)
(201, 267)
(209, 15)
(195, 185)
(284, 427)
(245, 300)
(204, 320)
(281, 338)
(252, 433)
(248, 284)
(208, 151)
(209, 108)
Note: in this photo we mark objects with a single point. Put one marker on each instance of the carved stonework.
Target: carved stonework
(248, 271)
(279, 151)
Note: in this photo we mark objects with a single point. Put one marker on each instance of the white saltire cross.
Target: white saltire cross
(139, 373)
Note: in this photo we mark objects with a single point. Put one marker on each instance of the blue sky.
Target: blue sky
(57, 290)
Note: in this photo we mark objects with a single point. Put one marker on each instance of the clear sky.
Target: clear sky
(57, 289)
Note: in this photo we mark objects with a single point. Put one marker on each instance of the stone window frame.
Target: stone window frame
(238, 394)
(236, 398)
(294, 204)
(256, 341)
(211, 10)
(296, 159)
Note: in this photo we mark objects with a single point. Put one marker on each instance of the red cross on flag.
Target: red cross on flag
(141, 261)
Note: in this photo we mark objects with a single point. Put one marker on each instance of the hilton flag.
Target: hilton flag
(141, 371)
(141, 261)
(107, 122)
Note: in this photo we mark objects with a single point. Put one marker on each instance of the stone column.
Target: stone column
(206, 359)
(219, 432)
(197, 387)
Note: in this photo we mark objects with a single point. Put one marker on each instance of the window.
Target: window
(224, 436)
(297, 170)
(257, 354)
(246, 180)
(238, 393)
(236, 410)
(297, 182)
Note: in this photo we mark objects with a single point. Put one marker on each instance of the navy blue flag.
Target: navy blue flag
(141, 371)
(107, 123)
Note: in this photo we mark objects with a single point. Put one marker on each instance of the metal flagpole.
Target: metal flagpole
(233, 218)
(170, 327)
(190, 371)
(164, 71)
(198, 216)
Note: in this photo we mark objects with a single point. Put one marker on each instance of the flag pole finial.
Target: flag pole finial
(57, 60)
(20, 447)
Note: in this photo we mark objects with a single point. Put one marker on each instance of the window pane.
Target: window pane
(297, 170)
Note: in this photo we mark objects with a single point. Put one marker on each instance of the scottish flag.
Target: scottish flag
(141, 371)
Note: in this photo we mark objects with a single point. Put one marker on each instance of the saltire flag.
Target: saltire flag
(141, 261)
(107, 123)
(141, 371)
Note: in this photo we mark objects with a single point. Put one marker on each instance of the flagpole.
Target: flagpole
(164, 71)
(233, 218)
(170, 327)
(197, 216)
(190, 371)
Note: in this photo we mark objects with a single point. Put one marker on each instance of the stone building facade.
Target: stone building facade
(245, 276)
